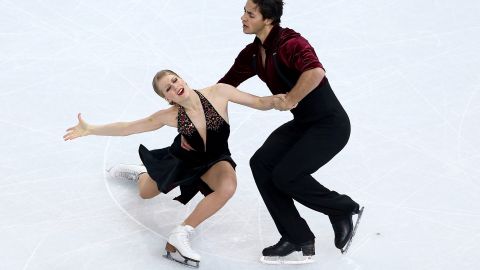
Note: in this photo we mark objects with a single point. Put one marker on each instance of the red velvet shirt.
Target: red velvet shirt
(294, 54)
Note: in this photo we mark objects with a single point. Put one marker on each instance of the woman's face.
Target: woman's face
(173, 88)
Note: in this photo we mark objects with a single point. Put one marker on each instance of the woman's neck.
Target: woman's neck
(192, 103)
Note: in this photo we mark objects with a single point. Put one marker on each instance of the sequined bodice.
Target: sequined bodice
(217, 133)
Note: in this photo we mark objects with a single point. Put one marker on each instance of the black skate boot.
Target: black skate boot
(285, 252)
(344, 229)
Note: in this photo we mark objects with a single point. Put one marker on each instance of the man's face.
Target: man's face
(252, 19)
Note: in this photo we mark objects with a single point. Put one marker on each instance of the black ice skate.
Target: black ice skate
(345, 230)
(285, 252)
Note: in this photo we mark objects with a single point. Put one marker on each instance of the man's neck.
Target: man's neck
(263, 34)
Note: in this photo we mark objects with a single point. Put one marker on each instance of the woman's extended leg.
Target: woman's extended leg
(147, 187)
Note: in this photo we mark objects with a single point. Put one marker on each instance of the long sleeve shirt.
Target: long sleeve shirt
(293, 52)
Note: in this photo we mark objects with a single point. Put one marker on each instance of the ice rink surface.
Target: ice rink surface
(407, 73)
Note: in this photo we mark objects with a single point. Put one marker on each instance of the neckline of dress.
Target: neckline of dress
(204, 103)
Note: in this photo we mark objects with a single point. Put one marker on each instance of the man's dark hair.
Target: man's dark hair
(270, 9)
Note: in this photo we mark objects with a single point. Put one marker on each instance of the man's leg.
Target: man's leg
(292, 174)
(279, 204)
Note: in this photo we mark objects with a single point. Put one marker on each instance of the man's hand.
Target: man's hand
(184, 144)
(282, 103)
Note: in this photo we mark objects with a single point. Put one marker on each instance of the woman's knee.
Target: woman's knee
(228, 188)
(146, 195)
(147, 188)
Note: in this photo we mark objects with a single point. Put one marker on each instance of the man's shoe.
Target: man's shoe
(344, 229)
(285, 252)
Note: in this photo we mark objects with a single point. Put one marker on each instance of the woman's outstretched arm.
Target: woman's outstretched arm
(252, 101)
(150, 123)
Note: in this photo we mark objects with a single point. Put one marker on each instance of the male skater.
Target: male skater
(283, 165)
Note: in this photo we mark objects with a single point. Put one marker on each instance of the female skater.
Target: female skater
(201, 117)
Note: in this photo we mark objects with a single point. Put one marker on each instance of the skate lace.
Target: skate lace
(129, 175)
(185, 239)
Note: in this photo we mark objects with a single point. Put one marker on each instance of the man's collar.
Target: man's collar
(271, 40)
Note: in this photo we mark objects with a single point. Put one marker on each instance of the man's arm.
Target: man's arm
(241, 69)
(298, 54)
(307, 81)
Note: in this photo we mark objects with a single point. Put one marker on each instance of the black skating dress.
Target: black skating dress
(173, 166)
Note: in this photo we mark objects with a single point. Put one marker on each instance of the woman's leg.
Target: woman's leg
(147, 187)
(222, 180)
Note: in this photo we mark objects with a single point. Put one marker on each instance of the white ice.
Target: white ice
(407, 72)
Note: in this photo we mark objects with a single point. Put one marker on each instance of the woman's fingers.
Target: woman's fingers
(67, 136)
(74, 132)
(70, 136)
(184, 144)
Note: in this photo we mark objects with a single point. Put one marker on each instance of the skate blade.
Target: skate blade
(293, 258)
(178, 258)
(347, 246)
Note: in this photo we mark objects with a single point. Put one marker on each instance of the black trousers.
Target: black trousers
(282, 169)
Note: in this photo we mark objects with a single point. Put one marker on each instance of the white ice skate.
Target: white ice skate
(178, 247)
(126, 172)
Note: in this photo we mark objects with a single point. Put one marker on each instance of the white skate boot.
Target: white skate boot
(179, 241)
(126, 172)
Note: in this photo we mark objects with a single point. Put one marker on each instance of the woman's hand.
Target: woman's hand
(281, 103)
(80, 130)
(184, 144)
